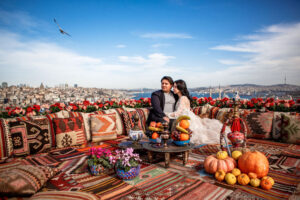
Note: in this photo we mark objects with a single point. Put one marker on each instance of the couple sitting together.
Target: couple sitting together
(167, 105)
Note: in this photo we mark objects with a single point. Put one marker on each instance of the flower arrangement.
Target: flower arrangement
(103, 157)
(126, 159)
(86, 106)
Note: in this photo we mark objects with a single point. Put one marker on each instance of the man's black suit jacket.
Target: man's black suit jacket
(158, 103)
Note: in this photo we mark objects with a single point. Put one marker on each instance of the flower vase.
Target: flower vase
(97, 169)
(132, 173)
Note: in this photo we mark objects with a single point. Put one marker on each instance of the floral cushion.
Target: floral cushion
(30, 137)
(24, 179)
(259, 125)
(69, 131)
(103, 127)
(290, 128)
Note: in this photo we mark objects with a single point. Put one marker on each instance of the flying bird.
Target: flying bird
(60, 29)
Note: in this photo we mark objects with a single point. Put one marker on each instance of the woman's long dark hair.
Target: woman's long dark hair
(181, 86)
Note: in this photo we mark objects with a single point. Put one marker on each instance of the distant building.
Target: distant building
(75, 85)
(4, 85)
(42, 86)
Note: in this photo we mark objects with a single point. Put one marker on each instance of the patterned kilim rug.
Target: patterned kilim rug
(176, 182)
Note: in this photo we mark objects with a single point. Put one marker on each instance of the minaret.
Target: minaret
(285, 80)
(210, 91)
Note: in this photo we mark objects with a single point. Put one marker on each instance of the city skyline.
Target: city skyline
(132, 44)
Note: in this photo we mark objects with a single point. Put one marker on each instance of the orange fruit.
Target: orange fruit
(184, 137)
(158, 124)
(152, 124)
(184, 124)
(154, 135)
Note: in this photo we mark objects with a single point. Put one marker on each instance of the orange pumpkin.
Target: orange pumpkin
(266, 184)
(243, 179)
(220, 175)
(252, 175)
(213, 164)
(270, 178)
(184, 137)
(184, 124)
(255, 162)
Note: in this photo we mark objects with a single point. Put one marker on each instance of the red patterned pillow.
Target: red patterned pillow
(6, 148)
(103, 127)
(128, 120)
(69, 131)
(119, 122)
(30, 136)
(24, 179)
(259, 125)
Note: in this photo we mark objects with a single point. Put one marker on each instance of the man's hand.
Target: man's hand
(166, 119)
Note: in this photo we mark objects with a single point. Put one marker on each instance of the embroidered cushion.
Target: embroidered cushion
(24, 179)
(276, 126)
(60, 114)
(30, 137)
(259, 125)
(213, 112)
(6, 148)
(69, 131)
(54, 195)
(119, 122)
(224, 114)
(86, 121)
(290, 128)
(103, 127)
(128, 120)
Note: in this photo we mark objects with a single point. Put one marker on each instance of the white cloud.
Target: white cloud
(120, 46)
(32, 61)
(166, 36)
(267, 56)
(229, 62)
(158, 45)
(152, 60)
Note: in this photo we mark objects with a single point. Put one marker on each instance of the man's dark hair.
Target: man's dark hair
(168, 78)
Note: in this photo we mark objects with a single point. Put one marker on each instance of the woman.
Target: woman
(205, 131)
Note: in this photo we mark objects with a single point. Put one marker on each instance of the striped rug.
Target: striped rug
(104, 186)
(67, 153)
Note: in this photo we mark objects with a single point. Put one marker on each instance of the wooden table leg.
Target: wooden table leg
(185, 157)
(150, 156)
(167, 159)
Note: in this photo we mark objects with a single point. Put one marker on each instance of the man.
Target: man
(163, 101)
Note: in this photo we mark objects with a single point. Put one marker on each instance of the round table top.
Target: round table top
(127, 144)
(170, 149)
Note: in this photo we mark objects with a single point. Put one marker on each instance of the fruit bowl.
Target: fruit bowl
(181, 142)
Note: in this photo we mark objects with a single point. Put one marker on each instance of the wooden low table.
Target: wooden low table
(131, 144)
(172, 148)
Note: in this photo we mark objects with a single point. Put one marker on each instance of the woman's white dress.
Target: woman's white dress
(205, 131)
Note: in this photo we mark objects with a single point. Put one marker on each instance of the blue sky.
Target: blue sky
(132, 44)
